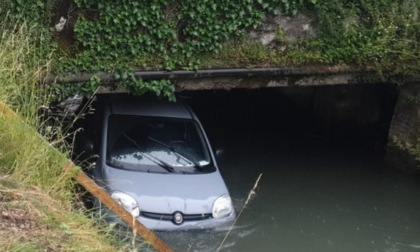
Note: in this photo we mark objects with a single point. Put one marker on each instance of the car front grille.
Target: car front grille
(170, 217)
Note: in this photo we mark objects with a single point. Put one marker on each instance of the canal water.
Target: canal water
(313, 195)
(318, 192)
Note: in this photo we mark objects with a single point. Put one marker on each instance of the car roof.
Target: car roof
(149, 106)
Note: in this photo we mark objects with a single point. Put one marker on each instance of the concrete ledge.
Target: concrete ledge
(285, 80)
(231, 78)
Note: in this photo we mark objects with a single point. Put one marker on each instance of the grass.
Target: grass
(33, 220)
(37, 208)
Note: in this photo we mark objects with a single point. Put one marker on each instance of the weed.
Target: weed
(280, 35)
(34, 191)
(381, 34)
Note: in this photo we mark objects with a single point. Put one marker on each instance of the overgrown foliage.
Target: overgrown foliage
(120, 36)
(174, 32)
(36, 196)
(125, 81)
(381, 34)
(38, 11)
(25, 56)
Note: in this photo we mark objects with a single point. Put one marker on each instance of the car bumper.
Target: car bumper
(210, 223)
(165, 225)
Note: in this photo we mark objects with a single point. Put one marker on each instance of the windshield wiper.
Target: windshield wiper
(158, 161)
(150, 157)
(189, 160)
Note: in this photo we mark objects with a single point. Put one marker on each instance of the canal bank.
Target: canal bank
(403, 149)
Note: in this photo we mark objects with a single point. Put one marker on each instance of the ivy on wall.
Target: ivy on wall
(37, 11)
(169, 32)
(118, 36)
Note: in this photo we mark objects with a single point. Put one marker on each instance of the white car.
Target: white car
(156, 161)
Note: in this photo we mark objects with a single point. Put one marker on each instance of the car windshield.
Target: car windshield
(157, 145)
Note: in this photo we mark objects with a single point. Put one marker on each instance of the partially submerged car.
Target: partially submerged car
(156, 161)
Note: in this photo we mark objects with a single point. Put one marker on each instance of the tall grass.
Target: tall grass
(25, 56)
(24, 59)
(31, 177)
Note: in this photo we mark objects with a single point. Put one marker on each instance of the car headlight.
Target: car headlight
(222, 207)
(126, 201)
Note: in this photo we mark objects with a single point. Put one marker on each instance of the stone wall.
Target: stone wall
(403, 149)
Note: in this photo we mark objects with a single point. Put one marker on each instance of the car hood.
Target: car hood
(167, 193)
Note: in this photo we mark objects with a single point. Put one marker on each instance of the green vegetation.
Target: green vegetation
(119, 37)
(173, 33)
(37, 204)
(169, 34)
(382, 34)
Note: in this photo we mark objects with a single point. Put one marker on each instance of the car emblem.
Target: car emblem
(178, 218)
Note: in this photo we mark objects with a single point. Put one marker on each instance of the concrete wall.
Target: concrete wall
(403, 149)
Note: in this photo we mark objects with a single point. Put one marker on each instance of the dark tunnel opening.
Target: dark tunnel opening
(341, 115)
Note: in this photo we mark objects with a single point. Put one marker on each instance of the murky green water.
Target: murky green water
(313, 196)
